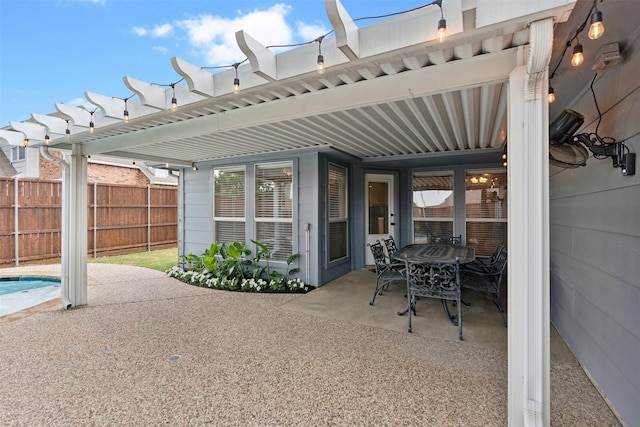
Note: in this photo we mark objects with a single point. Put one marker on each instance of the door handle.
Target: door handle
(393, 223)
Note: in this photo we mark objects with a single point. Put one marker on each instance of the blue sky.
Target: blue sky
(54, 50)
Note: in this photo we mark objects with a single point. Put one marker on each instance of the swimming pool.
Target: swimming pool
(18, 293)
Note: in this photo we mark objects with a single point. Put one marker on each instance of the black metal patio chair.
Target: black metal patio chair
(484, 264)
(452, 240)
(434, 281)
(387, 271)
(488, 280)
(391, 246)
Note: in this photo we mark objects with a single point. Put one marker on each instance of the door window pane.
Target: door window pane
(433, 207)
(486, 210)
(378, 207)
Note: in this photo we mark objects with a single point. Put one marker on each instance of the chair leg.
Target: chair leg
(459, 320)
(378, 289)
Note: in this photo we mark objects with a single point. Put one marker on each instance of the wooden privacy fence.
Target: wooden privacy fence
(121, 219)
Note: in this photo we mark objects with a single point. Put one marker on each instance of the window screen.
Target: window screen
(274, 208)
(433, 208)
(338, 220)
(486, 210)
(229, 204)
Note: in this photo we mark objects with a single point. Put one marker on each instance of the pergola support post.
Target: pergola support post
(76, 290)
(528, 231)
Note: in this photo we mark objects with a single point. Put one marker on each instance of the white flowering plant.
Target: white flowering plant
(230, 266)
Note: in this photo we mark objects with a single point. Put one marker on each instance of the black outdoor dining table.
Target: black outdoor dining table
(436, 254)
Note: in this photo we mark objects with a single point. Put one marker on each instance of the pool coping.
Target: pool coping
(38, 308)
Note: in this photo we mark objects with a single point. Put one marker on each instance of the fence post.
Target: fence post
(16, 222)
(95, 218)
(148, 218)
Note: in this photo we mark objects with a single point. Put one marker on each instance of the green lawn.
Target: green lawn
(162, 259)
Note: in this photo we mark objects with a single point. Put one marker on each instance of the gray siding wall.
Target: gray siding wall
(595, 246)
(198, 208)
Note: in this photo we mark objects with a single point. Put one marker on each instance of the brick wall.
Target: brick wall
(106, 174)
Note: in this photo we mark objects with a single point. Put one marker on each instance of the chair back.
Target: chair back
(433, 281)
(390, 244)
(452, 240)
(379, 258)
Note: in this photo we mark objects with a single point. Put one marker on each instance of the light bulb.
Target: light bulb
(578, 58)
(236, 85)
(552, 96)
(321, 64)
(47, 139)
(504, 164)
(442, 29)
(92, 127)
(126, 116)
(596, 29)
(504, 156)
(26, 142)
(174, 104)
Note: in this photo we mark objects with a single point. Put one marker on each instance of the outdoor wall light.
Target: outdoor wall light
(566, 149)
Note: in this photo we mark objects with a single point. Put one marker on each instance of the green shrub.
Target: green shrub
(232, 266)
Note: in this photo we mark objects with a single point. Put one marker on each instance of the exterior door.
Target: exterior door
(380, 212)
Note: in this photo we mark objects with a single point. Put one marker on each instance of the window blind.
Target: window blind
(433, 207)
(229, 204)
(486, 209)
(274, 208)
(338, 219)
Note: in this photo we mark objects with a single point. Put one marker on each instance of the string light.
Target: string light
(320, 56)
(125, 114)
(47, 139)
(578, 58)
(67, 131)
(236, 81)
(596, 30)
(26, 142)
(442, 23)
(552, 95)
(174, 101)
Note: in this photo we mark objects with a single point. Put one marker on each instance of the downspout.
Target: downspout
(64, 279)
(307, 260)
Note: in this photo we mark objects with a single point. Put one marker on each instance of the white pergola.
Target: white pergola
(390, 91)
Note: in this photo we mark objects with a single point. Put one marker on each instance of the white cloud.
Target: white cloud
(139, 31)
(213, 37)
(162, 30)
(310, 32)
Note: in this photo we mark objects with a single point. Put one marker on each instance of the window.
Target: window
(486, 210)
(229, 204)
(17, 153)
(432, 205)
(274, 208)
(338, 218)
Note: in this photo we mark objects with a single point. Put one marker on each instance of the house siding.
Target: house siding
(595, 246)
(198, 213)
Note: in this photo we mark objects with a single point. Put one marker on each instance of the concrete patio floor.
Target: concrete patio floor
(150, 350)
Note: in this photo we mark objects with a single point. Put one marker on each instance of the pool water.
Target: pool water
(18, 293)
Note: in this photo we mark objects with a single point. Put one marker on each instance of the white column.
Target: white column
(77, 254)
(528, 272)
